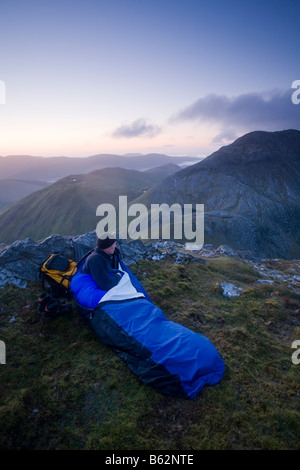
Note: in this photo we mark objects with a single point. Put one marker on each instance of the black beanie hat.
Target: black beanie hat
(105, 240)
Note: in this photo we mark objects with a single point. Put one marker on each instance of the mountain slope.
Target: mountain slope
(68, 206)
(250, 191)
(166, 170)
(14, 190)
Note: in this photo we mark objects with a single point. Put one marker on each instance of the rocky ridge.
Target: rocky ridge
(20, 261)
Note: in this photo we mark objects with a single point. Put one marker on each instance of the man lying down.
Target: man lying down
(173, 359)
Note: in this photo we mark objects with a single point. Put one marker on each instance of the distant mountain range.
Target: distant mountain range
(26, 167)
(250, 190)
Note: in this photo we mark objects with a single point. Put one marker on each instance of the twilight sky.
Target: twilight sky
(180, 77)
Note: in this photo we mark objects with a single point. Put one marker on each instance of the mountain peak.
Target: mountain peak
(250, 190)
(253, 147)
(265, 136)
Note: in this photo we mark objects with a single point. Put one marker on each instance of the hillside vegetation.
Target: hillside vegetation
(61, 388)
(69, 205)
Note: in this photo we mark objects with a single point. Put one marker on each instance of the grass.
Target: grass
(62, 389)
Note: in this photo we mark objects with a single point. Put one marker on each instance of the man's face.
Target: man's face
(111, 249)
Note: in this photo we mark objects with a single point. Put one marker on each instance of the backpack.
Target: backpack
(57, 271)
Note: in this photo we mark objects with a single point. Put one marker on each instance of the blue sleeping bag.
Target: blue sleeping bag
(86, 291)
(173, 359)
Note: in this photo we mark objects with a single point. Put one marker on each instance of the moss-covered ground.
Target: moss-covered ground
(62, 389)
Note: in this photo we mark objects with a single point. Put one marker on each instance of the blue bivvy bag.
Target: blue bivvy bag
(166, 355)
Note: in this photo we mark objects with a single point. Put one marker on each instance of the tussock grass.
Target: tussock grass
(62, 389)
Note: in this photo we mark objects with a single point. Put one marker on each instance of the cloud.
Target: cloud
(271, 110)
(138, 128)
(225, 137)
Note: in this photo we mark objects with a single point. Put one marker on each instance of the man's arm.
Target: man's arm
(102, 275)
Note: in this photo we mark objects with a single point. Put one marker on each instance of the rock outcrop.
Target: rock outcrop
(20, 261)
